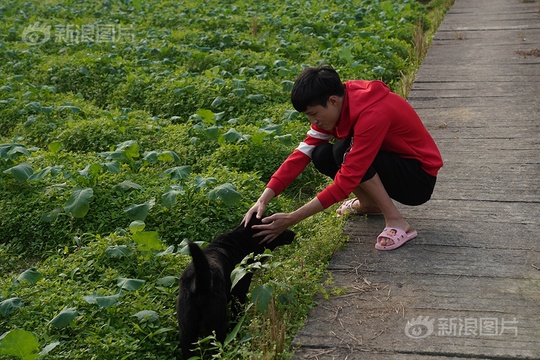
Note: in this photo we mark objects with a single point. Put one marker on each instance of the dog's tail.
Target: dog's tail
(202, 268)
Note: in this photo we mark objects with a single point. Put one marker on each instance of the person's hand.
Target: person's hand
(258, 209)
(260, 206)
(272, 226)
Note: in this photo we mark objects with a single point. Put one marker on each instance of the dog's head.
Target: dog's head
(284, 238)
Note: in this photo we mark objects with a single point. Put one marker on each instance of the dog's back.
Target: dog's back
(205, 285)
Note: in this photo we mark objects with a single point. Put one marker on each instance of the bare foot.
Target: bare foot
(398, 224)
(353, 206)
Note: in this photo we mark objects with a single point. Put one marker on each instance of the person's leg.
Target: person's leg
(323, 160)
(363, 204)
(394, 178)
(403, 179)
(376, 192)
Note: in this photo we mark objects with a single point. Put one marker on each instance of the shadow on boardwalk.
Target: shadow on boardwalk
(469, 285)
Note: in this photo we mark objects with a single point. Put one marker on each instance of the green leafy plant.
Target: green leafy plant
(113, 154)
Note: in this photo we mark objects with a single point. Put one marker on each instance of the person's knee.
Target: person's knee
(323, 160)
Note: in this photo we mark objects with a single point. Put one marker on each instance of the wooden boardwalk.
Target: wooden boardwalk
(469, 285)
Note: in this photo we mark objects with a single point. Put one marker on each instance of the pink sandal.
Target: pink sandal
(347, 208)
(398, 236)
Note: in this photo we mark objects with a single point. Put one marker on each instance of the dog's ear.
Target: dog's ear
(254, 221)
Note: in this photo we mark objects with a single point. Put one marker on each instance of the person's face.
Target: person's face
(325, 117)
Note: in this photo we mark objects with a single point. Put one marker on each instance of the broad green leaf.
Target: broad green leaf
(64, 318)
(179, 172)
(71, 108)
(106, 301)
(256, 98)
(168, 251)
(240, 92)
(169, 198)
(272, 129)
(20, 172)
(34, 106)
(126, 151)
(233, 136)
(218, 101)
(55, 147)
(212, 132)
(91, 170)
(237, 274)
(20, 343)
(78, 203)
(167, 281)
(258, 138)
(146, 316)
(346, 55)
(227, 193)
(151, 156)
(148, 240)
(101, 301)
(139, 211)
(189, 89)
(169, 156)
(129, 284)
(136, 226)
(262, 295)
(118, 251)
(40, 175)
(8, 306)
(183, 248)
(130, 149)
(31, 275)
(128, 185)
(206, 115)
(291, 115)
(113, 167)
(219, 116)
(287, 85)
(284, 139)
(286, 297)
(47, 349)
(202, 183)
(13, 151)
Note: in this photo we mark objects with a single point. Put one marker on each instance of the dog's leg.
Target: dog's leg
(239, 297)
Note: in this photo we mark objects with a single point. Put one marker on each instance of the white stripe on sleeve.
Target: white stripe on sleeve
(319, 135)
(305, 148)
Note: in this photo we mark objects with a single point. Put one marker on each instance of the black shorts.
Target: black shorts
(404, 179)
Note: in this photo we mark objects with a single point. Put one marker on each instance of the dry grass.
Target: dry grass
(533, 52)
(421, 40)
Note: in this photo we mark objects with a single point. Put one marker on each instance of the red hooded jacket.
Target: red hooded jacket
(377, 119)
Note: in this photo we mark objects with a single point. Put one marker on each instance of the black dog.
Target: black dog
(205, 284)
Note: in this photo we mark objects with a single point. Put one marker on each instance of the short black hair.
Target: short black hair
(314, 86)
